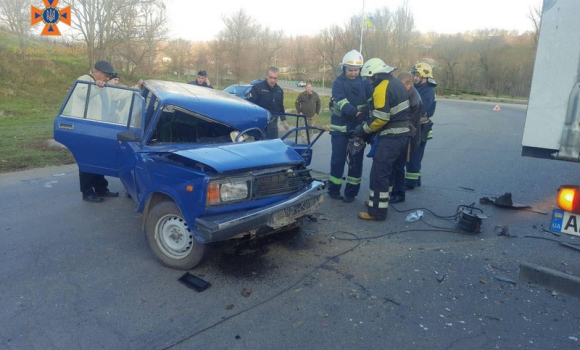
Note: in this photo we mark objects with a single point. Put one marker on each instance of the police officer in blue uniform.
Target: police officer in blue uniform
(351, 96)
(389, 122)
(424, 83)
(269, 95)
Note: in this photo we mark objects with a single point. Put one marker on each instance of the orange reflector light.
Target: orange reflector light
(189, 188)
(568, 198)
(213, 194)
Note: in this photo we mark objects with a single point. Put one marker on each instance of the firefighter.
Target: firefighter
(424, 83)
(389, 122)
(351, 96)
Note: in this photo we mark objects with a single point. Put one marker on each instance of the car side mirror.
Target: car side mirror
(127, 136)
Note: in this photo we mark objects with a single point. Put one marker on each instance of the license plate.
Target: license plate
(565, 222)
(288, 215)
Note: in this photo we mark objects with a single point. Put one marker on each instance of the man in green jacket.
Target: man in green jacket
(308, 104)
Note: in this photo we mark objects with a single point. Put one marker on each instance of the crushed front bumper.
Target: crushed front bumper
(224, 226)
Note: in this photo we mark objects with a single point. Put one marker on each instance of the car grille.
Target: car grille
(278, 183)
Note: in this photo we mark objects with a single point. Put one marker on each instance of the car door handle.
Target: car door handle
(66, 126)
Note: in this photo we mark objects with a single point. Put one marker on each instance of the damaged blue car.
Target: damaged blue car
(195, 162)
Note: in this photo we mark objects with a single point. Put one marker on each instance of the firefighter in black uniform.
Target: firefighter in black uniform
(269, 95)
(389, 122)
(351, 96)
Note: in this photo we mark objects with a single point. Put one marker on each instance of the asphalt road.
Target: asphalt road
(78, 275)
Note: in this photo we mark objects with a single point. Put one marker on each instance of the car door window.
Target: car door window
(108, 104)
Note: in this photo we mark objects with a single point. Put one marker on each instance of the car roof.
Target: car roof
(215, 104)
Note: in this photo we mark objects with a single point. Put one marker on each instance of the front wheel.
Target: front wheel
(170, 239)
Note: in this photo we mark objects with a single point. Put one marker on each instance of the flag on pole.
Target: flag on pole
(370, 22)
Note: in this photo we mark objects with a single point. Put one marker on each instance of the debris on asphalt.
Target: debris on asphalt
(246, 292)
(391, 301)
(229, 307)
(504, 201)
(552, 232)
(570, 246)
(466, 188)
(503, 231)
(441, 278)
(504, 279)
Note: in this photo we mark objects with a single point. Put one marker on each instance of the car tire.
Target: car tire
(170, 239)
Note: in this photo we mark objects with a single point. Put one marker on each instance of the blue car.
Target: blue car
(195, 162)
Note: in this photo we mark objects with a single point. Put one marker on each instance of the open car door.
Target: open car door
(89, 121)
(302, 136)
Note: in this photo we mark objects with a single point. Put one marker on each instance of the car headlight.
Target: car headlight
(228, 191)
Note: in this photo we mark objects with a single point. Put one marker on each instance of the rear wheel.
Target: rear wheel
(170, 239)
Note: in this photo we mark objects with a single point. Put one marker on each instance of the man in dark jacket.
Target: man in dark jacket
(351, 96)
(389, 121)
(269, 95)
(398, 194)
(201, 80)
(424, 83)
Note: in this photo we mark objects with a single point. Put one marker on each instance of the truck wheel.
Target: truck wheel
(170, 239)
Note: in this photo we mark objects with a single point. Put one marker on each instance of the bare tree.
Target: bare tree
(268, 43)
(94, 23)
(450, 51)
(238, 37)
(140, 29)
(327, 45)
(16, 13)
(179, 50)
(535, 16)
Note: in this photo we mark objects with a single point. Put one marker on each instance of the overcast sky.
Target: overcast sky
(201, 21)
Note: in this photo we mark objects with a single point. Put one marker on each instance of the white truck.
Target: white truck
(552, 128)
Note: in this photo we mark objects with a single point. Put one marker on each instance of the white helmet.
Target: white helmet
(353, 59)
(375, 66)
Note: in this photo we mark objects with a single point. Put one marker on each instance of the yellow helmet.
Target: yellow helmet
(424, 69)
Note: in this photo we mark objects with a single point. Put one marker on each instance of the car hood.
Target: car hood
(238, 156)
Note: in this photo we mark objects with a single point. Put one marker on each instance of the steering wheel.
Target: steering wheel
(240, 136)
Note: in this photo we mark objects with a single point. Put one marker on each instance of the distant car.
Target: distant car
(301, 84)
(194, 162)
(240, 90)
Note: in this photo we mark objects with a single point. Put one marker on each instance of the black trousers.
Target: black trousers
(387, 152)
(92, 183)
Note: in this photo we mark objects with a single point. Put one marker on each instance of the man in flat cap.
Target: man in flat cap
(94, 186)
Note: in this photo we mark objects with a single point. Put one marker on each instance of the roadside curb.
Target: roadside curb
(551, 279)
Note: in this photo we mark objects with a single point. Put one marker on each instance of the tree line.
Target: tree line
(133, 35)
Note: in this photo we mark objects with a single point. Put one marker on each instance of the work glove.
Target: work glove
(361, 118)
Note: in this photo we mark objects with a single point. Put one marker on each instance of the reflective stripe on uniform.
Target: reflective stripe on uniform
(335, 180)
(353, 180)
(383, 205)
(390, 189)
(394, 131)
(382, 195)
(341, 103)
(339, 128)
(430, 135)
(412, 176)
(400, 107)
(381, 115)
(362, 108)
